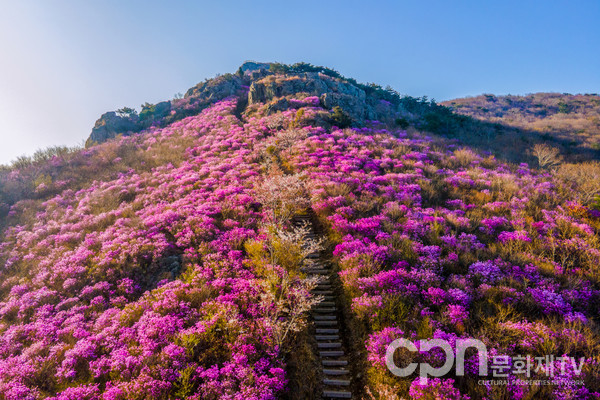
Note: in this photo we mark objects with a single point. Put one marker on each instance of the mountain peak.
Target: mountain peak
(254, 82)
(250, 66)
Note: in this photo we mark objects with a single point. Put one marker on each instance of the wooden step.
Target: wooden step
(327, 337)
(312, 264)
(324, 310)
(327, 303)
(312, 268)
(334, 363)
(331, 353)
(327, 345)
(328, 371)
(327, 330)
(323, 286)
(335, 394)
(321, 292)
(318, 272)
(326, 323)
(324, 317)
(336, 382)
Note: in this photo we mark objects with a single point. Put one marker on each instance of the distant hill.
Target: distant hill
(571, 122)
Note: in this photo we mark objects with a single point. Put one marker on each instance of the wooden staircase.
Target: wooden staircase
(326, 321)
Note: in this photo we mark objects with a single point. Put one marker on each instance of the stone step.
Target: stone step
(336, 382)
(331, 353)
(326, 323)
(328, 371)
(335, 394)
(324, 317)
(327, 337)
(327, 345)
(327, 330)
(334, 363)
(323, 286)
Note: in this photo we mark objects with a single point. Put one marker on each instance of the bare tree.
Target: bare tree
(582, 178)
(284, 195)
(547, 156)
(287, 297)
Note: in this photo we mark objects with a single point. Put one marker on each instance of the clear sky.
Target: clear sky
(65, 62)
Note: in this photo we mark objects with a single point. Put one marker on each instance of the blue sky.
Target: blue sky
(63, 63)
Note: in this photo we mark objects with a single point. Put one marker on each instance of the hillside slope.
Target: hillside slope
(571, 122)
(164, 264)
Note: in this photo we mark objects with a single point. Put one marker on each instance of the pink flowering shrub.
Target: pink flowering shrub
(432, 251)
(138, 286)
(436, 389)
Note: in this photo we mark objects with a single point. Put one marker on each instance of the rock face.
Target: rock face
(216, 89)
(110, 125)
(331, 91)
(250, 66)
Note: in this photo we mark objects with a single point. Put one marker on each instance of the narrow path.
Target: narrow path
(327, 328)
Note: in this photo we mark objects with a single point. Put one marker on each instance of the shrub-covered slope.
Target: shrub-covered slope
(571, 122)
(140, 286)
(163, 264)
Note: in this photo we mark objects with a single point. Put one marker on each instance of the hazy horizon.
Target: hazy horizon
(65, 64)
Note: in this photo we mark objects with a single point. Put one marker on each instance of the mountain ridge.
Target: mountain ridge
(577, 137)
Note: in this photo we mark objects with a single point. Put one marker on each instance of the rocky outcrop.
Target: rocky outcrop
(331, 91)
(251, 66)
(111, 125)
(255, 83)
(216, 89)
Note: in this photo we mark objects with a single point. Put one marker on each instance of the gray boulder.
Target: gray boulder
(216, 89)
(249, 67)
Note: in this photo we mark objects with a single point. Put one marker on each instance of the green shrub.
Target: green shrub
(340, 118)
(402, 123)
